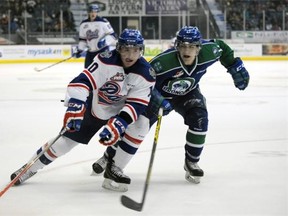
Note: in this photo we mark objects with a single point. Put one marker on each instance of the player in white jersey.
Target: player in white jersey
(112, 92)
(95, 34)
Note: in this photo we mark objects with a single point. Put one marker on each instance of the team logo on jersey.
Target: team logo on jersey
(109, 93)
(152, 72)
(215, 51)
(92, 34)
(179, 86)
(118, 77)
(86, 26)
(178, 74)
(157, 66)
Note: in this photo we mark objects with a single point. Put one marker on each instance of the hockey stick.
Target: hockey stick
(32, 162)
(128, 202)
(38, 70)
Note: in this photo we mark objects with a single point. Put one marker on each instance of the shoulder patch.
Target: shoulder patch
(157, 66)
(152, 72)
(215, 51)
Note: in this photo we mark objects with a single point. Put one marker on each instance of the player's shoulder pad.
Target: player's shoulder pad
(209, 41)
(144, 69)
(85, 21)
(210, 50)
(101, 19)
(165, 55)
(109, 58)
(212, 41)
(165, 58)
(208, 45)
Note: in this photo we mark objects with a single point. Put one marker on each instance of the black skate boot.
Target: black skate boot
(99, 166)
(28, 174)
(115, 179)
(193, 172)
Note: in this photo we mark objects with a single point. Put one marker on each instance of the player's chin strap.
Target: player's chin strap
(128, 202)
(32, 161)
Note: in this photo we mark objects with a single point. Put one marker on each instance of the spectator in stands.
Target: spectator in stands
(30, 5)
(4, 23)
(69, 19)
(14, 25)
(48, 21)
(275, 27)
(17, 9)
(254, 10)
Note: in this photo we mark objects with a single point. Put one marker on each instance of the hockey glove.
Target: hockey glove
(101, 44)
(112, 131)
(157, 101)
(76, 52)
(239, 74)
(167, 107)
(74, 115)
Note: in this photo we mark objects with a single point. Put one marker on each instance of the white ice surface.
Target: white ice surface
(244, 159)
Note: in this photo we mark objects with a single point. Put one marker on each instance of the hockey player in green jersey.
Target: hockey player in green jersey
(178, 73)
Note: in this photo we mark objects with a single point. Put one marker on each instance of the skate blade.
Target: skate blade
(114, 186)
(96, 174)
(192, 179)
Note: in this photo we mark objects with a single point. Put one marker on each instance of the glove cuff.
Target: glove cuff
(120, 123)
(73, 101)
(236, 67)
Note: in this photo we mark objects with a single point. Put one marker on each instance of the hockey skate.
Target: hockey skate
(99, 166)
(193, 172)
(115, 179)
(24, 177)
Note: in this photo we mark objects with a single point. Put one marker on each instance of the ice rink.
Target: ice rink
(245, 158)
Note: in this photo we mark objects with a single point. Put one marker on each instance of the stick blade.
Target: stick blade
(131, 204)
(36, 69)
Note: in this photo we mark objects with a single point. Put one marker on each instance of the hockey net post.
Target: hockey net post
(125, 200)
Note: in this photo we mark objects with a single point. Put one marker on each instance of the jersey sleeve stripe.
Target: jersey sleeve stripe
(137, 100)
(131, 111)
(81, 85)
(91, 79)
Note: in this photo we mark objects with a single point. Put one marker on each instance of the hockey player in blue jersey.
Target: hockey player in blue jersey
(112, 92)
(95, 34)
(178, 74)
